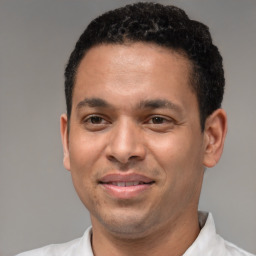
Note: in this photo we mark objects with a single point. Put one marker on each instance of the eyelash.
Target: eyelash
(90, 118)
(156, 122)
(159, 118)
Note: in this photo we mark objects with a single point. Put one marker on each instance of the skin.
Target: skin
(149, 125)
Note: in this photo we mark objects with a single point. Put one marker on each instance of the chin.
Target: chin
(127, 226)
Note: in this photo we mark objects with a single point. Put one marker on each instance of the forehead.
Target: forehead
(132, 53)
(130, 69)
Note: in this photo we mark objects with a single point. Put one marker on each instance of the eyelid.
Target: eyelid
(147, 120)
(85, 119)
(165, 118)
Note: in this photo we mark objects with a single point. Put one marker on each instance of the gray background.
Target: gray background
(38, 204)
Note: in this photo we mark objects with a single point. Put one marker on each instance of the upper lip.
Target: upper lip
(125, 178)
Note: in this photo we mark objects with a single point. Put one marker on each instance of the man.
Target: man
(144, 87)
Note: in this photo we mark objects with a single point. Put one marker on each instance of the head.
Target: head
(165, 26)
(143, 88)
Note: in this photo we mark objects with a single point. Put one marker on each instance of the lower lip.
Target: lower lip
(126, 192)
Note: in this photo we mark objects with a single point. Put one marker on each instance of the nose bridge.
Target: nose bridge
(126, 141)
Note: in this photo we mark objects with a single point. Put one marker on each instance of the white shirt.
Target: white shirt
(208, 243)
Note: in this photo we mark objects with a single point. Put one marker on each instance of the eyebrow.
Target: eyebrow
(159, 103)
(93, 103)
(150, 104)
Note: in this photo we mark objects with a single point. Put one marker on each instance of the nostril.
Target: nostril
(123, 160)
(133, 157)
(112, 158)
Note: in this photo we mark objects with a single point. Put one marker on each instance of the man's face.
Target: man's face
(135, 147)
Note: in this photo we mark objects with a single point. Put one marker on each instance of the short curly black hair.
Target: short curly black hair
(166, 26)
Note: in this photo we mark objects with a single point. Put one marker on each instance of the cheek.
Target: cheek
(178, 158)
(84, 154)
(84, 150)
(179, 155)
(169, 150)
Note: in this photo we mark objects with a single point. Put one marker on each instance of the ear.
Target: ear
(64, 137)
(214, 137)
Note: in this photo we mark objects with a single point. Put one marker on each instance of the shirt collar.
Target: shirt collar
(207, 241)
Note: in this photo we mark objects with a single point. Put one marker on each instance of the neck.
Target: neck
(171, 239)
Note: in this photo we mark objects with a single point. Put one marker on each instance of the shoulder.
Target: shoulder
(233, 250)
(53, 249)
(209, 243)
(79, 246)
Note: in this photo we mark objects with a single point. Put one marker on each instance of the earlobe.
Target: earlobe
(64, 137)
(214, 137)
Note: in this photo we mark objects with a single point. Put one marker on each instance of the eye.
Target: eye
(95, 119)
(95, 123)
(158, 120)
(160, 123)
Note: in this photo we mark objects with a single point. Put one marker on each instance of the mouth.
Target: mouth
(125, 186)
(127, 183)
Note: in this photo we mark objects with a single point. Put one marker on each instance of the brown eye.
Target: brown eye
(95, 123)
(157, 120)
(159, 123)
(95, 119)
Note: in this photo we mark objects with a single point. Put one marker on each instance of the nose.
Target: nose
(126, 143)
